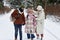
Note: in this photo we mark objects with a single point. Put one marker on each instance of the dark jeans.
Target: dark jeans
(18, 27)
(30, 36)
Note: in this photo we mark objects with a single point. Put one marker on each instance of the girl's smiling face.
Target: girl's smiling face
(30, 10)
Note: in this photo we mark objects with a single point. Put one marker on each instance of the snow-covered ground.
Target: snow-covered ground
(51, 28)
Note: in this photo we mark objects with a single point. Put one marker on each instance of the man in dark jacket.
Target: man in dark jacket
(18, 20)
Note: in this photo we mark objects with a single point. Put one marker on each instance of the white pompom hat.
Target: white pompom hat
(39, 7)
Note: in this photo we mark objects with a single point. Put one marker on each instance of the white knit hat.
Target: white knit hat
(39, 7)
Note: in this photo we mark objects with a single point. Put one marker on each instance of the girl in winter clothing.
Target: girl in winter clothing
(30, 24)
(40, 21)
(18, 20)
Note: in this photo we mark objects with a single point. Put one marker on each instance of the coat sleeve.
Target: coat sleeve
(35, 13)
(13, 15)
(23, 16)
(42, 15)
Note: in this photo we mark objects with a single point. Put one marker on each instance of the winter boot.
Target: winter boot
(41, 36)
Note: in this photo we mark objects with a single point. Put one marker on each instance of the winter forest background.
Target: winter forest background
(52, 21)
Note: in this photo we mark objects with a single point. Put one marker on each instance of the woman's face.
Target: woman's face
(30, 10)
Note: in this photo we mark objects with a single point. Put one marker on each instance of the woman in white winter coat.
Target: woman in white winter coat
(40, 20)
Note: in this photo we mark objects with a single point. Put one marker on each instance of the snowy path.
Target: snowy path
(51, 29)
